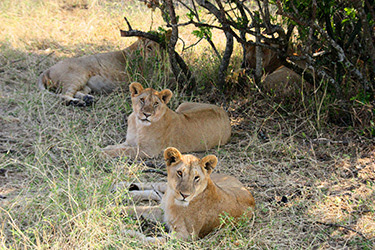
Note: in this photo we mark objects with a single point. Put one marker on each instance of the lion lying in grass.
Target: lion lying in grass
(270, 60)
(152, 126)
(278, 78)
(74, 78)
(193, 200)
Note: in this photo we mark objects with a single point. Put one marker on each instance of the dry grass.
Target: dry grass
(313, 188)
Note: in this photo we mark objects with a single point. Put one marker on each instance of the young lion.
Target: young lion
(74, 78)
(194, 198)
(152, 126)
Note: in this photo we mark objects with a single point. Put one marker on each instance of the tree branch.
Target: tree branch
(179, 61)
(228, 34)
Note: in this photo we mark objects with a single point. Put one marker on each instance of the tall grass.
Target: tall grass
(59, 191)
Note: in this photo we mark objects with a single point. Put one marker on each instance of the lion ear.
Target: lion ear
(165, 95)
(172, 155)
(135, 88)
(209, 163)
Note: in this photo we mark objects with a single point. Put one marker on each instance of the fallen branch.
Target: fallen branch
(346, 227)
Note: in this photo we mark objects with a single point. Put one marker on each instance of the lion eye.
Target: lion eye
(142, 100)
(156, 104)
(196, 178)
(179, 173)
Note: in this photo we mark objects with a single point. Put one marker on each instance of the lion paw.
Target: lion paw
(76, 102)
(88, 99)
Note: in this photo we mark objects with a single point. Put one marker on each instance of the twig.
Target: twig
(12, 62)
(191, 45)
(44, 58)
(208, 38)
(127, 22)
(346, 227)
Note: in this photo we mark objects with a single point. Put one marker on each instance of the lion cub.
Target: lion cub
(193, 198)
(74, 78)
(152, 126)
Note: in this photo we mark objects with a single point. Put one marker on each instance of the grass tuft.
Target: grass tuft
(311, 179)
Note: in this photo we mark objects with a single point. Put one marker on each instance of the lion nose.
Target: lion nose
(184, 195)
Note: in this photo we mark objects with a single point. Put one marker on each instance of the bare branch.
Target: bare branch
(258, 56)
(127, 22)
(191, 45)
(229, 33)
(341, 55)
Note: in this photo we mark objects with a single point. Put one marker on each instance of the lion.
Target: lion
(74, 79)
(284, 81)
(152, 126)
(270, 58)
(193, 200)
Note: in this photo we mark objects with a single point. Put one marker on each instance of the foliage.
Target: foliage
(333, 40)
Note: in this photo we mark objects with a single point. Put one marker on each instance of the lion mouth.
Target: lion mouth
(182, 202)
(145, 120)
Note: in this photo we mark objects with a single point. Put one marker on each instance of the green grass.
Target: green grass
(58, 189)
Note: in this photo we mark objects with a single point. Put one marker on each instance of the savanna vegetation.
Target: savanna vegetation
(306, 151)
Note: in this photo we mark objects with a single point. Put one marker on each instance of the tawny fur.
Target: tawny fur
(194, 199)
(277, 77)
(270, 60)
(152, 126)
(285, 82)
(74, 78)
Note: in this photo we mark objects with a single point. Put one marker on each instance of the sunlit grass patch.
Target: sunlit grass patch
(58, 190)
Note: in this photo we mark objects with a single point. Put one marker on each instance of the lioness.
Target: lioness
(276, 77)
(270, 60)
(74, 78)
(194, 198)
(152, 126)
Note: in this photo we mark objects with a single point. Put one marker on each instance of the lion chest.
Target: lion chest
(195, 220)
(154, 137)
(183, 222)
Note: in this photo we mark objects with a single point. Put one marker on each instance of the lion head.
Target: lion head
(187, 175)
(149, 105)
(146, 48)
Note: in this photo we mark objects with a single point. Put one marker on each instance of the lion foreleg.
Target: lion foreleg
(158, 189)
(146, 239)
(84, 96)
(70, 96)
(124, 150)
(152, 213)
(101, 85)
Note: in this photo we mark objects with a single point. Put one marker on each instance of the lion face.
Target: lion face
(148, 104)
(187, 175)
(148, 48)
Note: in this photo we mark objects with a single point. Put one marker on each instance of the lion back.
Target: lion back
(205, 125)
(235, 189)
